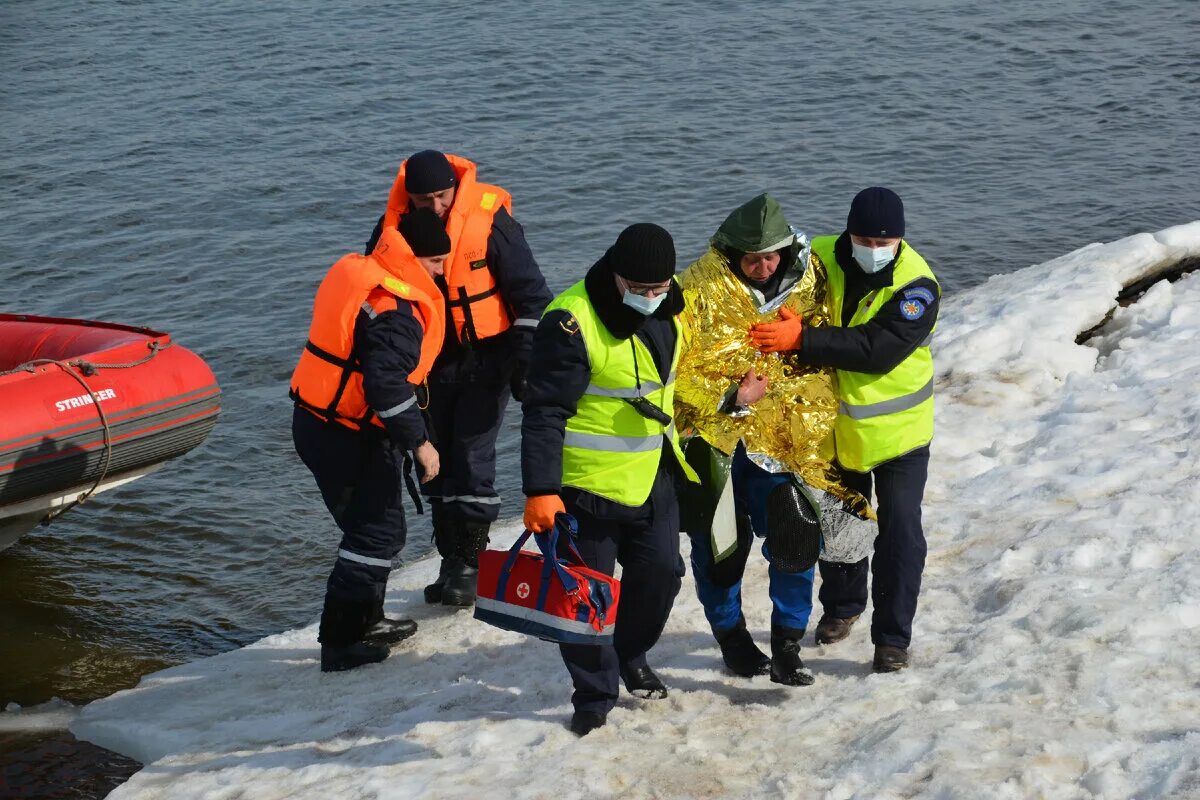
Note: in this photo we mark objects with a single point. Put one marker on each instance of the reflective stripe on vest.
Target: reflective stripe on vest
(328, 379)
(632, 392)
(476, 307)
(609, 449)
(880, 417)
(893, 406)
(617, 444)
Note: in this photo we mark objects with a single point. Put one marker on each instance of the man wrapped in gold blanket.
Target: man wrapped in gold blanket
(761, 438)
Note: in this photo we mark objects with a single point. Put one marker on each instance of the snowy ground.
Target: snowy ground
(1056, 649)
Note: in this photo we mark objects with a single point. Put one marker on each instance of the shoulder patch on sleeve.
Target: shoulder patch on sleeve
(920, 293)
(912, 308)
(569, 324)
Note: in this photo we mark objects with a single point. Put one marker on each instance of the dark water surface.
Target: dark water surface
(196, 167)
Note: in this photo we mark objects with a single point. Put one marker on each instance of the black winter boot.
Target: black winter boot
(889, 659)
(384, 630)
(446, 540)
(740, 653)
(336, 658)
(642, 682)
(459, 588)
(584, 722)
(832, 629)
(433, 592)
(343, 625)
(786, 666)
(390, 631)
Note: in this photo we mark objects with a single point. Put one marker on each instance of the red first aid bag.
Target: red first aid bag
(556, 599)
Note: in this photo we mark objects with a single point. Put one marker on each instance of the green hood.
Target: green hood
(754, 227)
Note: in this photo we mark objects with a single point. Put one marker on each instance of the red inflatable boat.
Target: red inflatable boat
(86, 406)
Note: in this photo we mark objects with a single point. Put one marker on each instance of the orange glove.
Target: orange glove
(540, 510)
(778, 337)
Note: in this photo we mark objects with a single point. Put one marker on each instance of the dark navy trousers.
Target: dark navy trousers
(645, 541)
(899, 557)
(467, 397)
(361, 479)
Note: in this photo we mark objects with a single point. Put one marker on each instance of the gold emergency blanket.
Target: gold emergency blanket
(793, 422)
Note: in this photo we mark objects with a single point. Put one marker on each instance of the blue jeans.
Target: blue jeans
(791, 593)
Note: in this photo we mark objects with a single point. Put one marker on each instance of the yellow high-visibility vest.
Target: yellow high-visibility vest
(880, 416)
(610, 449)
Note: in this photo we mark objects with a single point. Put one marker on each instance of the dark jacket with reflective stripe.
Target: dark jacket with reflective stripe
(518, 278)
(389, 348)
(883, 342)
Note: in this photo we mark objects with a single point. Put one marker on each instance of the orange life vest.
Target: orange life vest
(475, 304)
(328, 379)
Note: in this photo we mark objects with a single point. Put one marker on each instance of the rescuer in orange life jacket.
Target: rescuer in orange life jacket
(495, 295)
(377, 327)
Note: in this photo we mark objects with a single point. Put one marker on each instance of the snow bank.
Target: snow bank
(54, 715)
(1055, 652)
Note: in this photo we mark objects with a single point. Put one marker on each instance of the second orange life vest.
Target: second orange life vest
(328, 379)
(473, 298)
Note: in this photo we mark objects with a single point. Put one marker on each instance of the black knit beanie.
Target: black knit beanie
(426, 172)
(643, 253)
(424, 232)
(876, 212)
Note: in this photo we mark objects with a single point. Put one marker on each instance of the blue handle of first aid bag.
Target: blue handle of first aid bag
(514, 552)
(548, 545)
(570, 526)
(549, 541)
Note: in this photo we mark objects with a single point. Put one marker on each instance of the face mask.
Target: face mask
(643, 305)
(871, 259)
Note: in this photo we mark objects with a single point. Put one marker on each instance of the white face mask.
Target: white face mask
(871, 259)
(643, 305)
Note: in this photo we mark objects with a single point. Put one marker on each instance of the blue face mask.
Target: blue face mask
(643, 305)
(871, 259)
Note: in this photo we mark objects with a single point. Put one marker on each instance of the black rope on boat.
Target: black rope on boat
(88, 368)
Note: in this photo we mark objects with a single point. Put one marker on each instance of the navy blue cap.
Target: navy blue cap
(424, 232)
(426, 172)
(643, 253)
(876, 212)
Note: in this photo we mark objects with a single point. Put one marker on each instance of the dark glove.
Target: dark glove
(516, 381)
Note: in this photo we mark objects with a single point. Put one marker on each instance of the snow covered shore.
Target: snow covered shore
(1056, 649)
